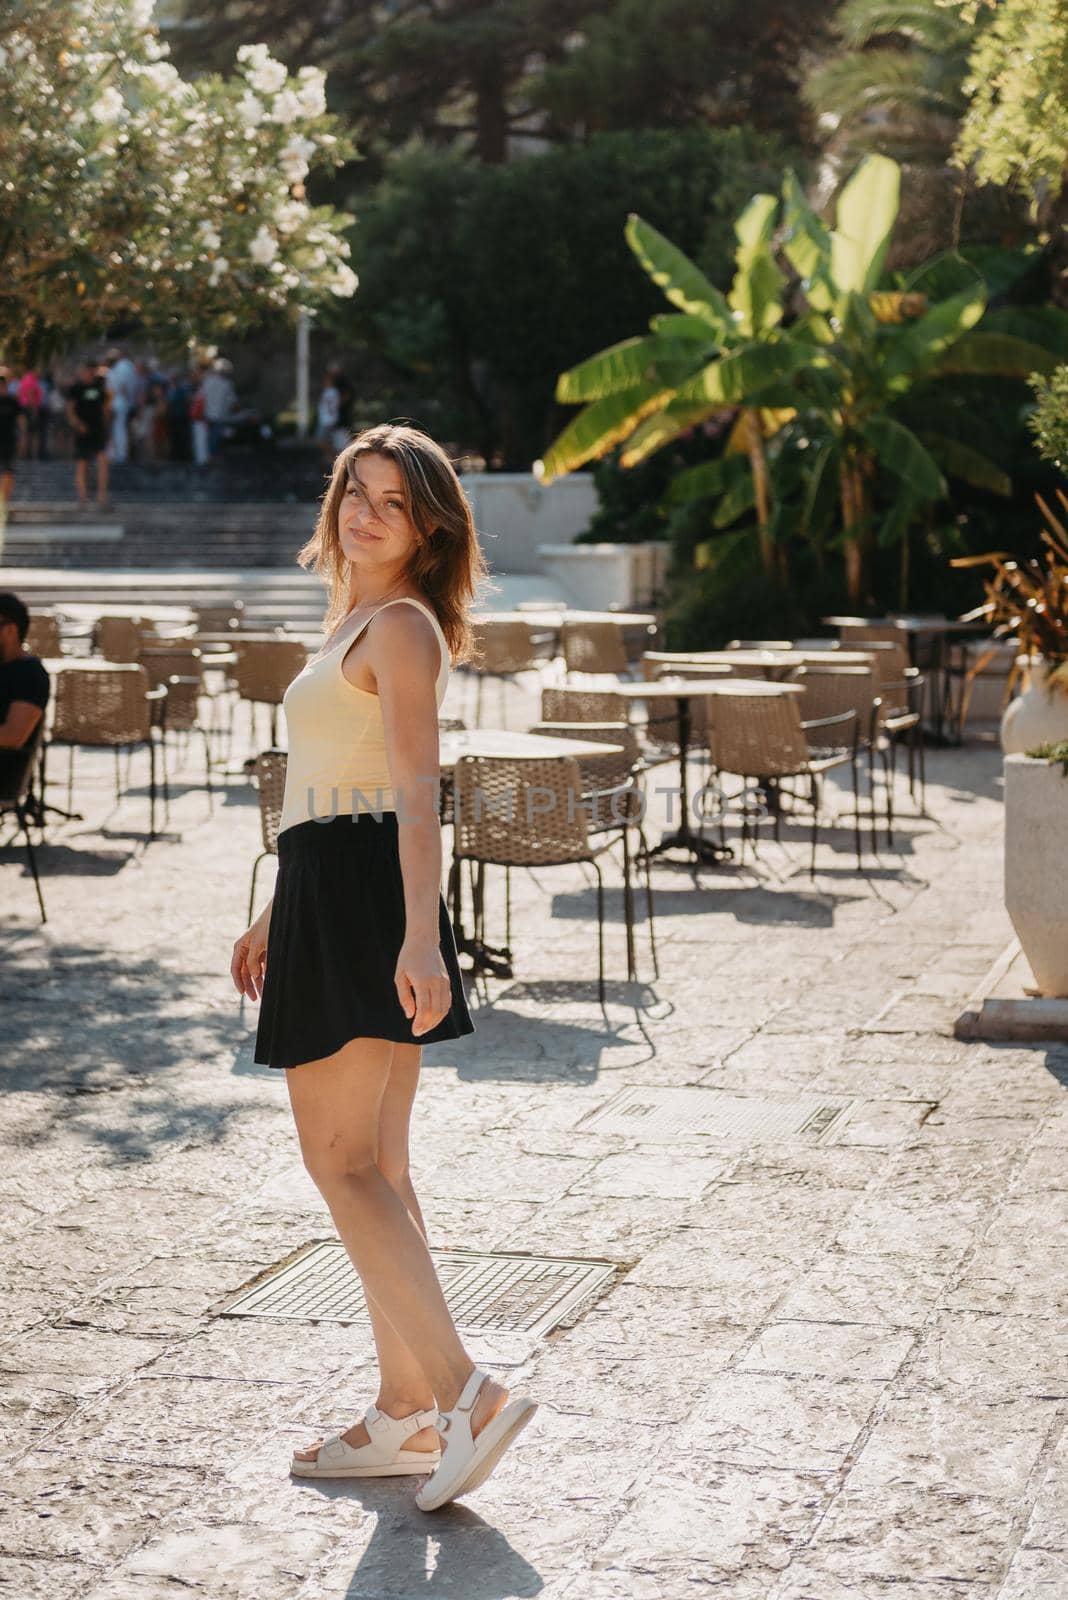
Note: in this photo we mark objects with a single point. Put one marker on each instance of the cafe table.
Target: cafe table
(938, 632)
(774, 664)
(683, 691)
(453, 747)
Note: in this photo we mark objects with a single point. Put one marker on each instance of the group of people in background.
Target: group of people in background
(119, 409)
(114, 410)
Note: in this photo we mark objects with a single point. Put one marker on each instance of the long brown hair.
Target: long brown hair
(448, 563)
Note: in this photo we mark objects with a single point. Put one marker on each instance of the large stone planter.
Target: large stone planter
(596, 576)
(1036, 854)
(1037, 716)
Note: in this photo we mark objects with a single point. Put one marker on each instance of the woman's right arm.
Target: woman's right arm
(249, 962)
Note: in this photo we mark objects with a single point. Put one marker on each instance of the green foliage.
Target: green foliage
(1016, 126)
(486, 75)
(1051, 753)
(1049, 419)
(896, 82)
(129, 193)
(491, 247)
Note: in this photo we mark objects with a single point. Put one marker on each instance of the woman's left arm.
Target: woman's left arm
(404, 654)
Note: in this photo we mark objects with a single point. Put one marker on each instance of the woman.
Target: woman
(362, 965)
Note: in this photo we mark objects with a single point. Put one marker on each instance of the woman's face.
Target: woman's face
(373, 525)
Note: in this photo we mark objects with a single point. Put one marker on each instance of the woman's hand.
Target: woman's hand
(422, 984)
(249, 961)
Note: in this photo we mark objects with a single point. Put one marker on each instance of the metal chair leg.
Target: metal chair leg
(151, 788)
(600, 933)
(649, 900)
(207, 769)
(20, 812)
(628, 905)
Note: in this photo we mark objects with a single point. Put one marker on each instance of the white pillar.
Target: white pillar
(303, 326)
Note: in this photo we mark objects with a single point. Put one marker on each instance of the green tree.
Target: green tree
(672, 63)
(128, 193)
(1016, 126)
(841, 376)
(441, 72)
(895, 84)
(522, 267)
(500, 77)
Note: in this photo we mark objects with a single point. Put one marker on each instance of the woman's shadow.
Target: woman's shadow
(452, 1554)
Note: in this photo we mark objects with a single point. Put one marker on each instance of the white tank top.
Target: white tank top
(337, 743)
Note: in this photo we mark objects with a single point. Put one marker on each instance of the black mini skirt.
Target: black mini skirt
(337, 926)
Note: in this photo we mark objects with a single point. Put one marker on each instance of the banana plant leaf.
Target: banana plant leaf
(898, 450)
(994, 355)
(621, 366)
(864, 220)
(739, 378)
(959, 460)
(598, 427)
(684, 284)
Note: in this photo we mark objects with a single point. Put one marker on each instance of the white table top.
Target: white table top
(516, 746)
(55, 664)
(551, 618)
(774, 659)
(694, 688)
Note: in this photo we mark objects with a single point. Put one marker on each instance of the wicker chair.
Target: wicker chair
(881, 630)
(269, 776)
(764, 739)
(180, 670)
(593, 647)
(121, 639)
(108, 707)
(532, 813)
(17, 768)
(263, 671)
(502, 650)
(901, 721)
(218, 618)
(43, 637)
(831, 690)
(568, 704)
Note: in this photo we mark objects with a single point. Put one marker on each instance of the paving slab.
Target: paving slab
(825, 1368)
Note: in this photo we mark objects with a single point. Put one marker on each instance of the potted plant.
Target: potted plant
(1028, 601)
(1036, 848)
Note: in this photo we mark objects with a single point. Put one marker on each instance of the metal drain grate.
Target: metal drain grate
(667, 1114)
(485, 1291)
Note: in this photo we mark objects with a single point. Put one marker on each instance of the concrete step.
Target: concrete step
(147, 535)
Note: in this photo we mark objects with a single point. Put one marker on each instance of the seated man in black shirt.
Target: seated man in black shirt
(24, 690)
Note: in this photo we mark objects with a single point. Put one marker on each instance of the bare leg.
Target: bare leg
(7, 483)
(349, 1126)
(81, 481)
(101, 479)
(403, 1385)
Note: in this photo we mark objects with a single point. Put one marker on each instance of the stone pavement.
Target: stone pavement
(832, 1370)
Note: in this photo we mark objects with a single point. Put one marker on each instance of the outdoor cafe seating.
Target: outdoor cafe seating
(179, 669)
(16, 783)
(537, 813)
(107, 706)
(764, 740)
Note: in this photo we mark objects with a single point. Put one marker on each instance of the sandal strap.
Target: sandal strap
(465, 1404)
(398, 1428)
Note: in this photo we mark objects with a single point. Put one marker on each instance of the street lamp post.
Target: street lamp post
(303, 342)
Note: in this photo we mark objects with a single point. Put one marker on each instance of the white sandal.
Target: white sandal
(468, 1461)
(382, 1457)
